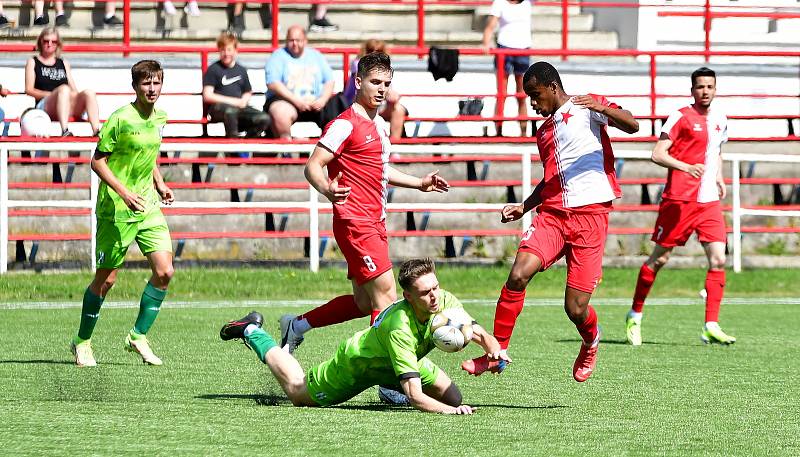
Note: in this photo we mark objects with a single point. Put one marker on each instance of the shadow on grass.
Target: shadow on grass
(260, 399)
(393, 408)
(621, 342)
(51, 362)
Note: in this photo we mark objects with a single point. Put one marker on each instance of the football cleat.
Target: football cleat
(633, 330)
(142, 347)
(587, 359)
(289, 339)
(84, 357)
(482, 364)
(235, 329)
(390, 396)
(713, 334)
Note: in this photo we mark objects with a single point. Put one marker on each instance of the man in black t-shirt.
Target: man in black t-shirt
(227, 91)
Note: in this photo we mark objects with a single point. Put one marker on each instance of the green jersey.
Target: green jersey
(390, 350)
(133, 144)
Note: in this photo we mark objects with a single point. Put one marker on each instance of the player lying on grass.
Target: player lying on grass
(392, 351)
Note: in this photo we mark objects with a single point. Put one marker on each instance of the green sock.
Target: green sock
(260, 342)
(149, 307)
(90, 312)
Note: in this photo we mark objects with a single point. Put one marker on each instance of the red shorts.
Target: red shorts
(579, 236)
(678, 219)
(365, 247)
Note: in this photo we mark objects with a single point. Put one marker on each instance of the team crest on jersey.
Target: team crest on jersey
(698, 128)
(321, 395)
(101, 256)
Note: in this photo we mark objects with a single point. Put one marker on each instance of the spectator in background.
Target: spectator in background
(236, 15)
(317, 22)
(299, 84)
(514, 32)
(391, 109)
(3, 19)
(190, 8)
(42, 18)
(227, 91)
(48, 79)
(110, 19)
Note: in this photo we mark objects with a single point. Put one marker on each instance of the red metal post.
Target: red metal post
(420, 24)
(564, 27)
(502, 83)
(653, 85)
(275, 11)
(707, 29)
(345, 68)
(126, 27)
(203, 61)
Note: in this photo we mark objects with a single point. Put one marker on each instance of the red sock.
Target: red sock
(588, 328)
(715, 287)
(643, 284)
(505, 315)
(340, 309)
(374, 316)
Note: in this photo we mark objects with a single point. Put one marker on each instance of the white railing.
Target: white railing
(313, 205)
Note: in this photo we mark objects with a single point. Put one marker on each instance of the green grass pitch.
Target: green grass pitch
(672, 396)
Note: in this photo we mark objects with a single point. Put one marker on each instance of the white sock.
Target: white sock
(636, 316)
(250, 329)
(109, 16)
(712, 324)
(301, 326)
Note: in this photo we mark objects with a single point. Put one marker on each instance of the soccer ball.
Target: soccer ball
(451, 329)
(35, 122)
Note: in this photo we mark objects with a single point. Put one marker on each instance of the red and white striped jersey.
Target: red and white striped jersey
(361, 148)
(577, 158)
(695, 139)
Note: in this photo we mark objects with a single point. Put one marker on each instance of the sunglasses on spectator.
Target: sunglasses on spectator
(50, 41)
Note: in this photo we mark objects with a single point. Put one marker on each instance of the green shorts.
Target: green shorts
(113, 238)
(329, 385)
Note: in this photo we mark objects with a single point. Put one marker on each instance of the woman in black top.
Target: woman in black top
(49, 81)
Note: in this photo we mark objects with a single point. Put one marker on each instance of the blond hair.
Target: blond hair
(49, 31)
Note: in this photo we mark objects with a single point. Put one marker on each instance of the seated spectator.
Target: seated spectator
(227, 91)
(236, 15)
(299, 82)
(110, 18)
(190, 8)
(3, 19)
(42, 18)
(391, 110)
(48, 79)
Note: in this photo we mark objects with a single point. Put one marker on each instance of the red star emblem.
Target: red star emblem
(718, 129)
(565, 117)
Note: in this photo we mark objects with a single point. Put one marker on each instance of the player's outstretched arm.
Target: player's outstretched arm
(489, 344)
(316, 176)
(412, 387)
(431, 182)
(721, 179)
(661, 157)
(99, 165)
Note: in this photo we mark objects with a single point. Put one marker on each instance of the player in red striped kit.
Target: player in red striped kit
(690, 147)
(573, 201)
(355, 150)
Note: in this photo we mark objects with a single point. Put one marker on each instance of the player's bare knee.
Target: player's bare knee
(165, 274)
(517, 280)
(717, 262)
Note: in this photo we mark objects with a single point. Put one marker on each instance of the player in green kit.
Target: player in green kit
(390, 352)
(128, 210)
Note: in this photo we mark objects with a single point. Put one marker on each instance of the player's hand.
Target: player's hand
(462, 409)
(134, 201)
(167, 197)
(511, 213)
(432, 182)
(588, 103)
(721, 189)
(696, 170)
(336, 193)
(316, 105)
(499, 355)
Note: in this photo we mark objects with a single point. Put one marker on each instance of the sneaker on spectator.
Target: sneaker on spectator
(61, 21)
(323, 25)
(66, 132)
(42, 20)
(112, 21)
(169, 8)
(192, 9)
(4, 22)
